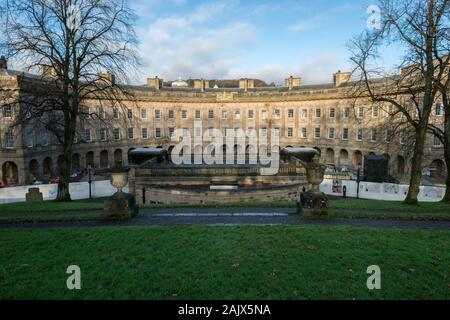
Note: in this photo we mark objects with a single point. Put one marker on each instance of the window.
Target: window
(373, 135)
(144, 133)
(186, 132)
(171, 132)
(130, 114)
(317, 133)
(360, 112)
(277, 113)
(388, 137)
(171, 114)
(116, 113)
(103, 135)
(291, 113)
(45, 138)
(359, 134)
(224, 114)
(144, 113)
(318, 113)
(251, 114)
(263, 132)
(9, 139)
(87, 135)
(210, 132)
(330, 133)
(7, 111)
(437, 142)
(158, 114)
(101, 113)
(347, 113)
(345, 134)
(332, 112)
(439, 109)
(304, 114)
(158, 133)
(198, 114)
(276, 132)
(184, 114)
(375, 111)
(303, 133)
(237, 115)
(264, 114)
(290, 132)
(116, 133)
(210, 114)
(198, 132)
(130, 133)
(86, 112)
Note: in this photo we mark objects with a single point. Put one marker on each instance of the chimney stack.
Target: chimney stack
(49, 72)
(3, 63)
(155, 83)
(201, 84)
(107, 77)
(340, 78)
(246, 84)
(292, 82)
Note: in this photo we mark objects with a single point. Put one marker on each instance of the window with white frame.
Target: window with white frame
(290, 132)
(359, 134)
(237, 115)
(375, 111)
(103, 134)
(439, 109)
(171, 132)
(317, 133)
(263, 132)
(360, 112)
(318, 113)
(9, 139)
(330, 133)
(332, 113)
(198, 114)
(130, 133)
(116, 114)
(345, 134)
(143, 113)
(277, 113)
(276, 132)
(158, 114)
(303, 133)
(144, 133)
(388, 135)
(264, 114)
(116, 134)
(101, 113)
(210, 114)
(87, 135)
(291, 113)
(171, 114)
(130, 114)
(198, 131)
(7, 111)
(251, 114)
(184, 114)
(224, 114)
(158, 133)
(185, 132)
(347, 112)
(373, 134)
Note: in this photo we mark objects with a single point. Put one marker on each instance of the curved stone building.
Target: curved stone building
(320, 116)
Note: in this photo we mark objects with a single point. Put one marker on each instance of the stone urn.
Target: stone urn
(119, 180)
(121, 206)
(315, 172)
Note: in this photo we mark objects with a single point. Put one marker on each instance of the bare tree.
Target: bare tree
(83, 48)
(420, 28)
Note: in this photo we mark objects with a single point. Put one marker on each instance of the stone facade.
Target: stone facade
(319, 116)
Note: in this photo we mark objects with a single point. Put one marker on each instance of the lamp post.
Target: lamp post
(90, 181)
(358, 180)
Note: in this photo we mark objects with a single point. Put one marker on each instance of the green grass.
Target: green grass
(47, 217)
(423, 207)
(225, 263)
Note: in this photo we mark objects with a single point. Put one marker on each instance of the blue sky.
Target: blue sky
(269, 40)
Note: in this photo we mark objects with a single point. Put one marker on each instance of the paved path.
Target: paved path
(234, 217)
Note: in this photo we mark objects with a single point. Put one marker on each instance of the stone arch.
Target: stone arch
(400, 165)
(47, 167)
(118, 157)
(90, 159)
(329, 156)
(438, 169)
(10, 173)
(33, 169)
(76, 162)
(343, 158)
(104, 159)
(357, 159)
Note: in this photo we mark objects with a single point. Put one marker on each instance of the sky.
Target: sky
(229, 39)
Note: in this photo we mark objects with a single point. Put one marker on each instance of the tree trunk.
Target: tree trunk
(416, 166)
(66, 164)
(447, 153)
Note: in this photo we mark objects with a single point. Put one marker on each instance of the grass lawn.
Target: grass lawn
(225, 263)
(48, 206)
